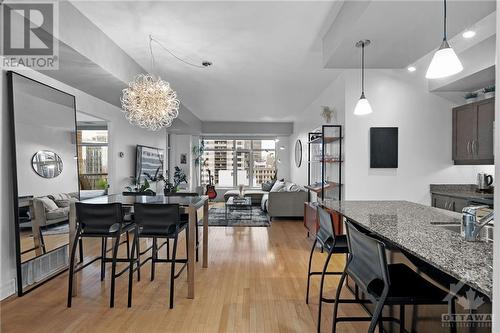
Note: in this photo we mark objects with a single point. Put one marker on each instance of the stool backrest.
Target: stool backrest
(367, 261)
(151, 217)
(326, 231)
(99, 217)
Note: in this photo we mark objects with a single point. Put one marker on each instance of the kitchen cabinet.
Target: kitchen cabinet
(449, 203)
(473, 133)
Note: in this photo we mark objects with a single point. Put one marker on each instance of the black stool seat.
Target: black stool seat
(103, 231)
(339, 244)
(162, 231)
(407, 287)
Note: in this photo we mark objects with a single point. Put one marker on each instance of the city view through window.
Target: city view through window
(92, 159)
(232, 162)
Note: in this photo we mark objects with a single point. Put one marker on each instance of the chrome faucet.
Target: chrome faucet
(471, 226)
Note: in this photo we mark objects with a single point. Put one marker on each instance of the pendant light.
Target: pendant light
(445, 61)
(363, 106)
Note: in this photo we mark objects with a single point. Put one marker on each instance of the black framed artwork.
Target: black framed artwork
(383, 147)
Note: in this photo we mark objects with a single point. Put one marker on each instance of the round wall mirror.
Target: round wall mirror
(47, 164)
(298, 153)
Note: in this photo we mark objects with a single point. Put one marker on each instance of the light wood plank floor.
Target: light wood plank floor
(255, 282)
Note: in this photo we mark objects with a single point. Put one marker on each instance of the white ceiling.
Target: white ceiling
(266, 55)
(401, 31)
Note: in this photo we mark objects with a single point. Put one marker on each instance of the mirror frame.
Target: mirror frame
(11, 113)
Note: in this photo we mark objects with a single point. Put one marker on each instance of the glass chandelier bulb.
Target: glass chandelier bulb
(444, 63)
(363, 106)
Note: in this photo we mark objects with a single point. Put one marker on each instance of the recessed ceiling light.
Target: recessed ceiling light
(468, 34)
(412, 69)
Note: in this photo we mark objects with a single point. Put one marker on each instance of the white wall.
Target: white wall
(123, 137)
(400, 99)
(333, 96)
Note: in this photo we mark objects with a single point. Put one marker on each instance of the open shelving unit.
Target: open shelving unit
(325, 162)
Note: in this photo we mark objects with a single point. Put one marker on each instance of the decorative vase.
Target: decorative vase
(241, 189)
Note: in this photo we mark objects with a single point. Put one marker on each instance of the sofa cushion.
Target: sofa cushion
(267, 186)
(292, 187)
(59, 196)
(278, 186)
(48, 204)
(58, 213)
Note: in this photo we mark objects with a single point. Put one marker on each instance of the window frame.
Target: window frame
(235, 152)
(92, 144)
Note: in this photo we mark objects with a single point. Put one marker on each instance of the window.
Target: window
(236, 161)
(92, 159)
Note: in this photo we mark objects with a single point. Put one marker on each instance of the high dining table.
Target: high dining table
(189, 205)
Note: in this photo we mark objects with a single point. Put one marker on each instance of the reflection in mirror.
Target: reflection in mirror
(47, 164)
(44, 122)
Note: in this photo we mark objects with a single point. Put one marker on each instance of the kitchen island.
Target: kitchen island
(415, 229)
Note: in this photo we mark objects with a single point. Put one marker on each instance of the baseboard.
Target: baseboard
(7, 289)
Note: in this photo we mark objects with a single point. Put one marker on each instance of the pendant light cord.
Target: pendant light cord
(152, 55)
(363, 68)
(444, 21)
(151, 40)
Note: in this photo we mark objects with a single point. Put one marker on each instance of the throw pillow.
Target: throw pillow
(278, 186)
(62, 203)
(48, 204)
(292, 187)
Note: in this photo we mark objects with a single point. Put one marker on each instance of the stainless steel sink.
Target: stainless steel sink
(486, 233)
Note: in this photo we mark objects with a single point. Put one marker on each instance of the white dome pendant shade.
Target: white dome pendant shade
(363, 106)
(445, 61)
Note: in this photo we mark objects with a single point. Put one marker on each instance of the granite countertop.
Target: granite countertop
(413, 228)
(466, 191)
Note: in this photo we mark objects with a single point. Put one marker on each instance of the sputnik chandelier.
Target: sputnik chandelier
(148, 101)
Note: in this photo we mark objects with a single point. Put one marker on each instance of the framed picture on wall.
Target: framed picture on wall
(183, 158)
(383, 147)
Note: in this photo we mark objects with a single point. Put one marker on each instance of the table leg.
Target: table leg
(191, 250)
(72, 233)
(205, 234)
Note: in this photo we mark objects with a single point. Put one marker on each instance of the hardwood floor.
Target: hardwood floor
(255, 282)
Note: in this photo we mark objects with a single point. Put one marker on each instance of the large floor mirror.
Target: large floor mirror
(45, 169)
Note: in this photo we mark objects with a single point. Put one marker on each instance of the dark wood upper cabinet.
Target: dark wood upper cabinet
(473, 132)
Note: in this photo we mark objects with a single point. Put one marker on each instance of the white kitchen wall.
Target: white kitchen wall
(399, 99)
(123, 137)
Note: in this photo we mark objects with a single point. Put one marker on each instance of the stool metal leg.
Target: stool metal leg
(131, 269)
(72, 266)
(113, 271)
(337, 297)
(325, 267)
(401, 318)
(137, 239)
(309, 270)
(104, 242)
(377, 313)
(128, 245)
(154, 255)
(172, 273)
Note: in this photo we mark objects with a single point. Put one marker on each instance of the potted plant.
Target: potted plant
(179, 178)
(489, 92)
(136, 188)
(470, 97)
(102, 184)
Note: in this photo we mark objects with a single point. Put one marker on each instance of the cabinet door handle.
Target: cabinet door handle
(477, 147)
(468, 147)
(472, 144)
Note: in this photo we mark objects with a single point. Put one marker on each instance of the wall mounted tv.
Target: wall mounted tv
(383, 147)
(149, 162)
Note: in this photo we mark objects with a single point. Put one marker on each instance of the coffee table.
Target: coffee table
(245, 204)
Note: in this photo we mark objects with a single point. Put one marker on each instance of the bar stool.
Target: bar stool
(382, 283)
(100, 221)
(161, 221)
(333, 244)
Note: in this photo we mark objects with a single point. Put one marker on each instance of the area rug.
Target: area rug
(237, 218)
